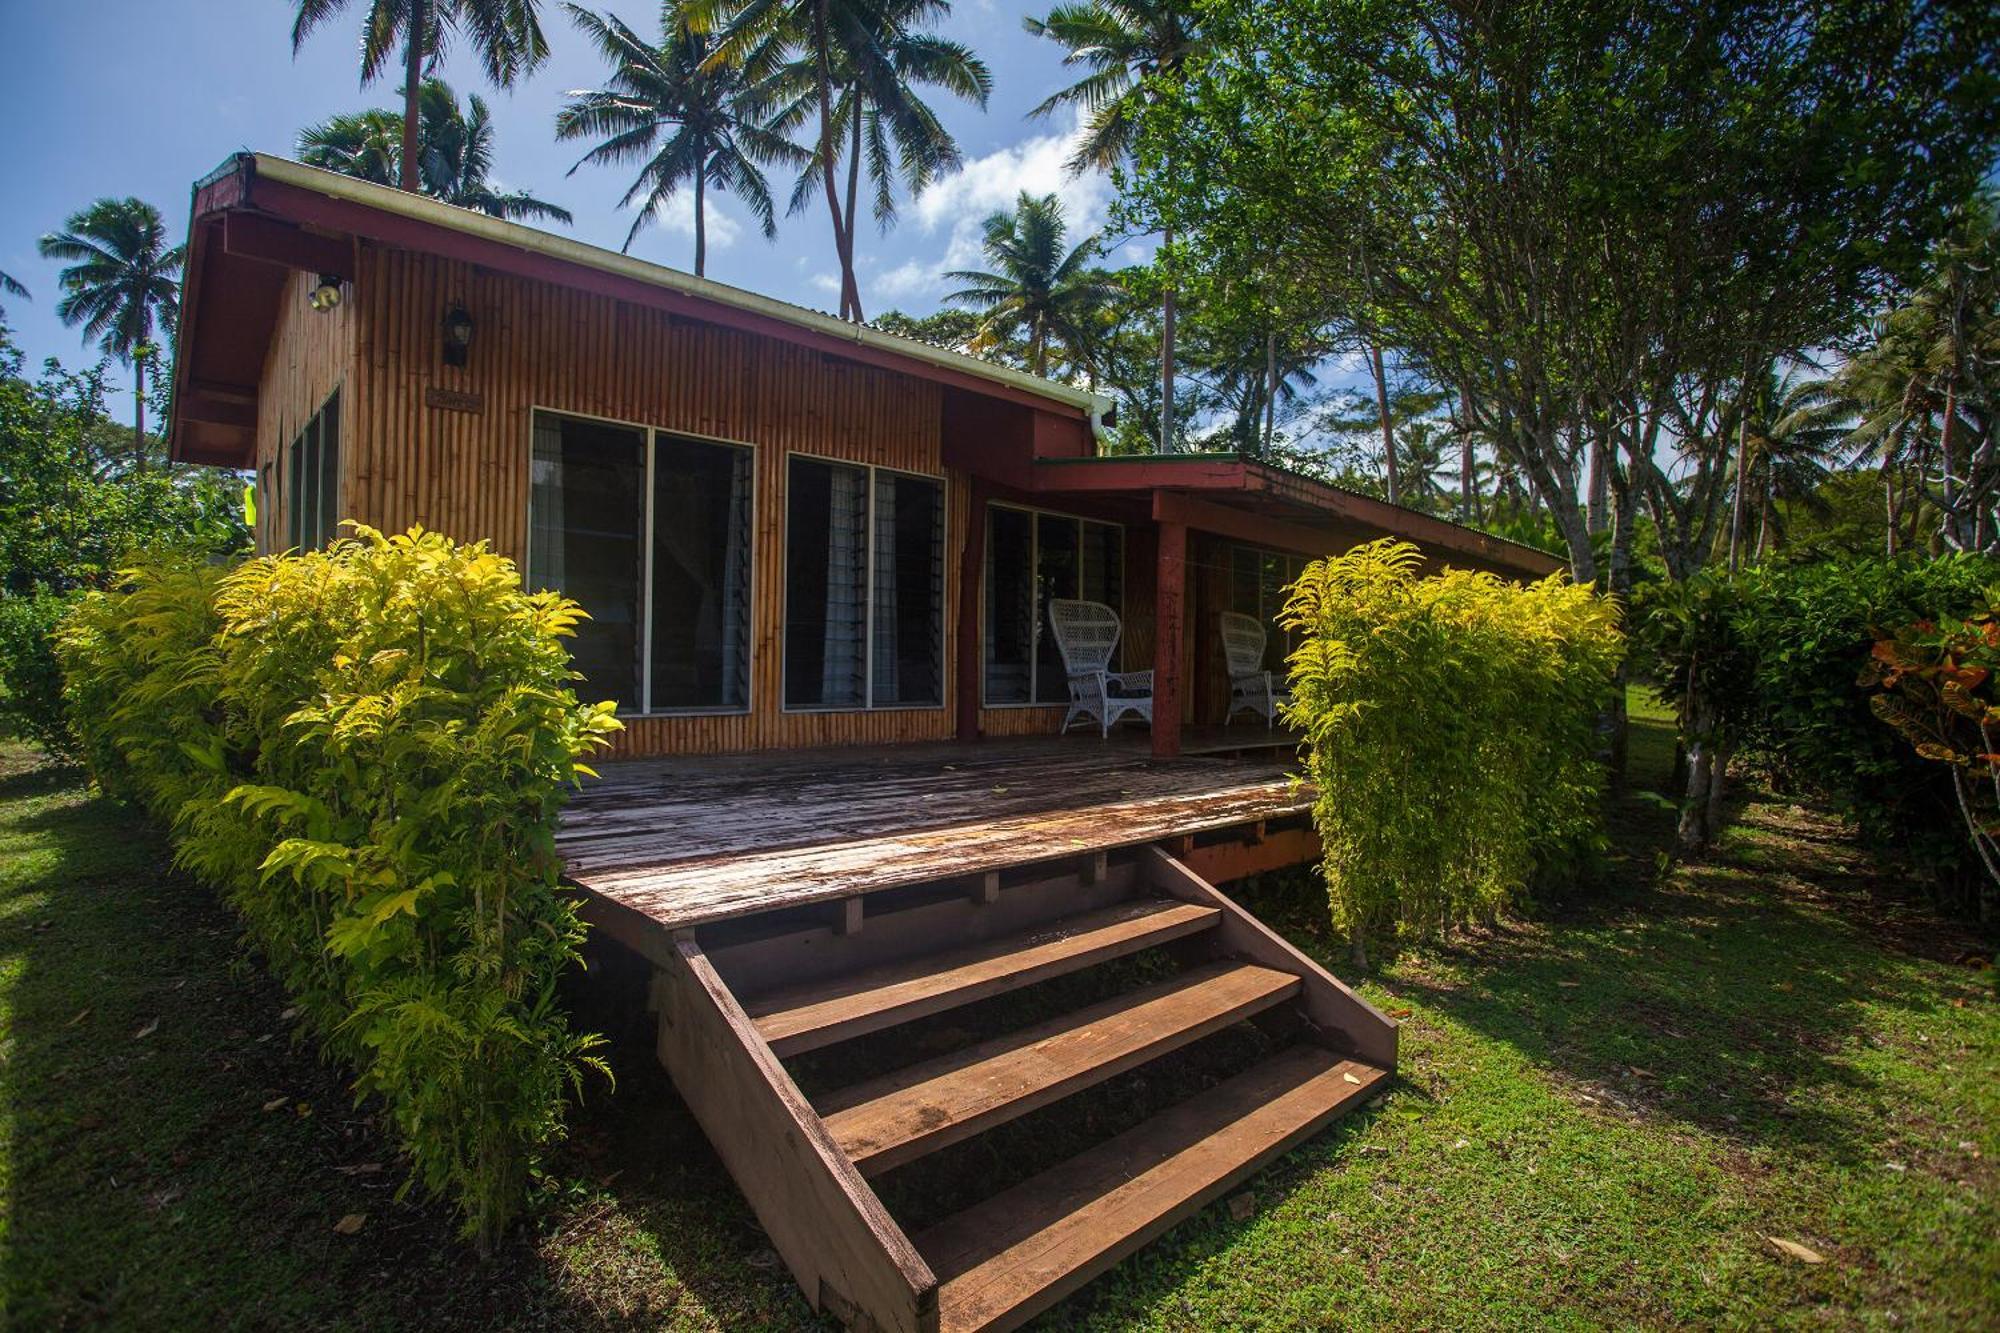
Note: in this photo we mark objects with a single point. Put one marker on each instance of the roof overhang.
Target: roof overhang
(258, 218)
(1253, 502)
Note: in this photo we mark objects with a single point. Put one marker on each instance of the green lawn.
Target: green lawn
(1603, 1114)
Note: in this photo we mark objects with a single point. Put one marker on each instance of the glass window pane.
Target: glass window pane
(701, 574)
(1271, 573)
(908, 661)
(329, 472)
(826, 572)
(1010, 605)
(585, 527)
(1055, 576)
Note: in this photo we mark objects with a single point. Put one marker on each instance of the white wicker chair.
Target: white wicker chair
(1251, 687)
(1086, 635)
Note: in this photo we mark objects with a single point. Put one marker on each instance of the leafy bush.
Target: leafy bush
(1778, 653)
(366, 749)
(1936, 682)
(74, 507)
(31, 703)
(1452, 729)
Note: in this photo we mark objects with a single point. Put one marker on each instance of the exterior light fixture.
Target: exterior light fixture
(457, 335)
(326, 295)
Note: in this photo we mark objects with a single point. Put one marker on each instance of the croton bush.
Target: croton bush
(1451, 722)
(366, 748)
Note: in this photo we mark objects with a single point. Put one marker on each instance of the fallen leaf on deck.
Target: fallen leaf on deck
(1797, 1251)
(999, 791)
(1349, 1077)
(351, 1224)
(147, 1030)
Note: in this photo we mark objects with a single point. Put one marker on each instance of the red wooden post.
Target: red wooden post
(1169, 607)
(971, 577)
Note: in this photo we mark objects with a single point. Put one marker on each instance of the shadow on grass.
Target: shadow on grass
(175, 1160)
(1723, 993)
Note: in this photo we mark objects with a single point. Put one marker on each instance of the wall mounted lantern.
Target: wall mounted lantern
(457, 335)
(326, 295)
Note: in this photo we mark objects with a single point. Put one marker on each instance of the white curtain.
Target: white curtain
(844, 664)
(888, 674)
(545, 506)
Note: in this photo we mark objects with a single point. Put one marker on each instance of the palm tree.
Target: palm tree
(867, 54)
(506, 36)
(1124, 44)
(121, 285)
(889, 131)
(1048, 299)
(454, 153)
(367, 145)
(11, 288)
(684, 118)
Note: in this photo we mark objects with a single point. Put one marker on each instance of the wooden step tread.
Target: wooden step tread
(1003, 1261)
(887, 1121)
(805, 1018)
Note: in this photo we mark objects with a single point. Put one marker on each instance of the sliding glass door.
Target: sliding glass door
(1258, 584)
(651, 533)
(1032, 559)
(864, 587)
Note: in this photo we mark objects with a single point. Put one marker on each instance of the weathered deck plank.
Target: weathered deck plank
(688, 841)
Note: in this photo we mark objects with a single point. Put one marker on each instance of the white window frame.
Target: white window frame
(868, 704)
(1034, 566)
(650, 435)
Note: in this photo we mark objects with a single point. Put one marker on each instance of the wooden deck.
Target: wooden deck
(684, 841)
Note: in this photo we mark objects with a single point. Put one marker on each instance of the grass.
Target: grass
(1603, 1115)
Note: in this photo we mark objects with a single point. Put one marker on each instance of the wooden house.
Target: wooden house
(818, 560)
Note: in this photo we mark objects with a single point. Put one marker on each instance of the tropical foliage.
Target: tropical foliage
(505, 36)
(122, 286)
(1451, 733)
(73, 508)
(687, 120)
(454, 153)
(1041, 295)
(366, 749)
(1764, 666)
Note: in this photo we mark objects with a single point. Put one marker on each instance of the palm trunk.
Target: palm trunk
(413, 74)
(849, 297)
(700, 220)
(1742, 479)
(1270, 388)
(1388, 428)
(853, 171)
(139, 411)
(1167, 363)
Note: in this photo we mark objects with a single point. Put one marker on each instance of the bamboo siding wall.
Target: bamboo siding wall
(463, 469)
(311, 355)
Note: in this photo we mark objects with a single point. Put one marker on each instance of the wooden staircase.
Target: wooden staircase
(735, 1003)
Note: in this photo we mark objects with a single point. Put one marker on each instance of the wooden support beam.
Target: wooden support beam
(254, 236)
(1169, 612)
(1093, 869)
(847, 917)
(971, 576)
(986, 888)
(824, 1221)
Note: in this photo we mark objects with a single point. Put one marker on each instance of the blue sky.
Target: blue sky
(143, 97)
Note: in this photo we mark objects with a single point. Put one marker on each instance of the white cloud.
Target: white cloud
(826, 282)
(676, 218)
(958, 205)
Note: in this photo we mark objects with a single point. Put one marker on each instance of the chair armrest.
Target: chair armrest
(1132, 680)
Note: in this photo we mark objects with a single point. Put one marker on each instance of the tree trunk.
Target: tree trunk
(139, 409)
(1618, 581)
(700, 221)
(1167, 362)
(413, 77)
(1717, 774)
(1742, 480)
(1270, 388)
(1889, 504)
(1388, 427)
(849, 297)
(853, 190)
(1694, 832)
(1597, 512)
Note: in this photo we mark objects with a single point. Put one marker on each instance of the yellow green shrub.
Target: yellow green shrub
(1451, 723)
(366, 749)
